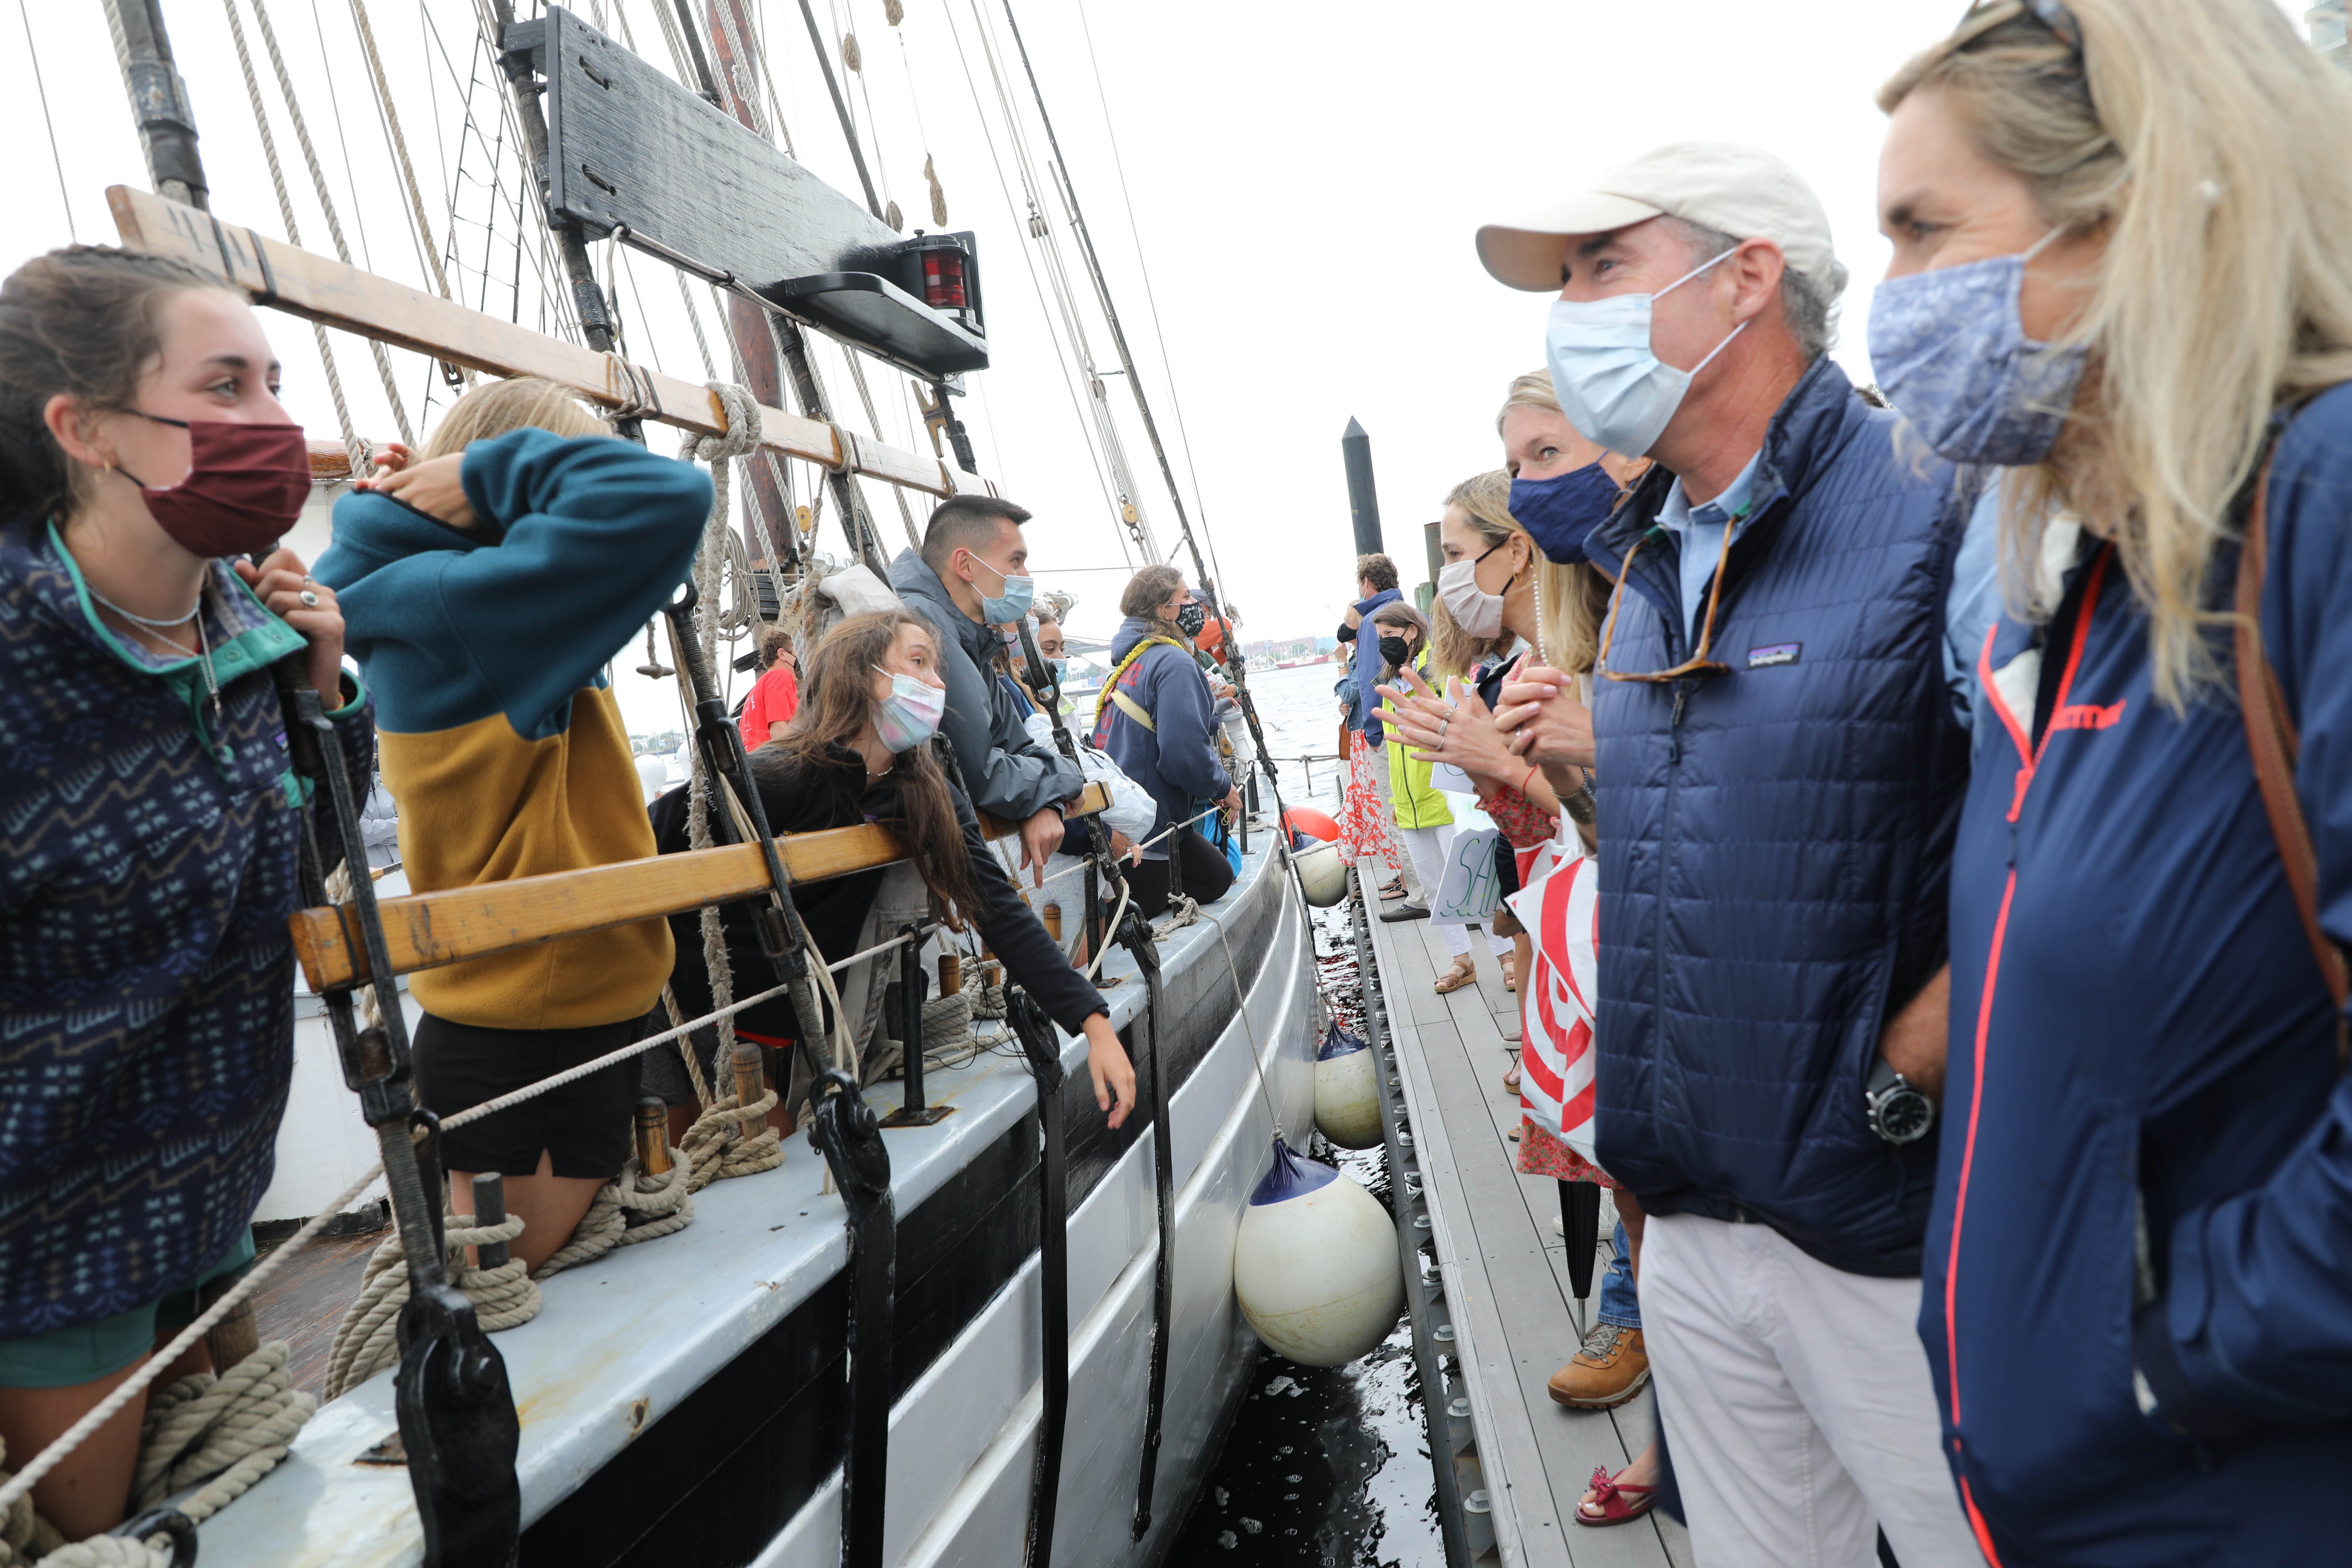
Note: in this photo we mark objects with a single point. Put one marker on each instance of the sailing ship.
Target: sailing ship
(979, 1326)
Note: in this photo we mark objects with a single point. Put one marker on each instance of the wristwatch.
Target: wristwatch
(1899, 1113)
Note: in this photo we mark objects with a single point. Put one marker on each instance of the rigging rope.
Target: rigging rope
(42, 87)
(389, 112)
(326, 200)
(353, 446)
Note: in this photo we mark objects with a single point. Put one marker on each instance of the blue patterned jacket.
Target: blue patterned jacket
(146, 981)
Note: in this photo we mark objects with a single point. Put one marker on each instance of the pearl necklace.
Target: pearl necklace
(152, 626)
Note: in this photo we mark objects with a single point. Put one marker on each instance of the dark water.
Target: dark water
(1325, 1467)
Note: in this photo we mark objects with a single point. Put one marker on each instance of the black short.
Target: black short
(584, 1127)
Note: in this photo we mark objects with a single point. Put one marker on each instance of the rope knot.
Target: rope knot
(633, 388)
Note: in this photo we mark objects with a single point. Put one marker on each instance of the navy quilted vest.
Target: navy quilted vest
(1776, 842)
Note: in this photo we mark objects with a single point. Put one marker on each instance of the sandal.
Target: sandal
(1463, 973)
(1394, 889)
(1618, 1504)
(1511, 1078)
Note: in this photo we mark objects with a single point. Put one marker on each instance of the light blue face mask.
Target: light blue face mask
(1950, 352)
(1611, 383)
(1060, 668)
(1012, 605)
(909, 715)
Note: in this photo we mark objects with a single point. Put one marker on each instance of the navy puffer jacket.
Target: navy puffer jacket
(1776, 841)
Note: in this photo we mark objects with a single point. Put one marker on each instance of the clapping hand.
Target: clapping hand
(1545, 719)
(1455, 729)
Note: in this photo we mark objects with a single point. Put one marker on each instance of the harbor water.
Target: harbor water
(1324, 1467)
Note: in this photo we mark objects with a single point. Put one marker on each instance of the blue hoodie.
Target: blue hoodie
(2147, 1162)
(1177, 761)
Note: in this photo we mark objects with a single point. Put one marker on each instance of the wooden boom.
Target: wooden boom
(424, 930)
(274, 273)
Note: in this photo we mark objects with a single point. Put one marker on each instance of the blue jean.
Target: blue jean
(1619, 1307)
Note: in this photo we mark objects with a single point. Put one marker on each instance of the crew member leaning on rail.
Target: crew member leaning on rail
(486, 585)
(146, 1003)
(861, 750)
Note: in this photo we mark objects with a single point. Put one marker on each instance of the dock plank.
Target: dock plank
(1505, 1268)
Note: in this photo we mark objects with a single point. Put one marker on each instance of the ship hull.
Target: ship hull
(686, 1401)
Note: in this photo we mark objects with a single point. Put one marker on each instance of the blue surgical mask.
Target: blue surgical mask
(1951, 355)
(1560, 512)
(1012, 605)
(1611, 383)
(1060, 668)
(909, 715)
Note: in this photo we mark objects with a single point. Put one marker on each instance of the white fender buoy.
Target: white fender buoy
(1322, 874)
(1315, 1264)
(1346, 1097)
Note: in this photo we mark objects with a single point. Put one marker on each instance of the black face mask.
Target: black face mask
(1396, 650)
(1192, 617)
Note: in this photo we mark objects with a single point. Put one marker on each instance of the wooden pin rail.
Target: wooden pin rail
(425, 930)
(316, 288)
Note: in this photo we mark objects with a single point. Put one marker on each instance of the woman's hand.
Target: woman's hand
(431, 487)
(390, 458)
(1460, 731)
(1546, 721)
(1113, 1074)
(286, 585)
(1121, 846)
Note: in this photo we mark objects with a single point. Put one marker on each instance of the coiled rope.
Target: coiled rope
(219, 1434)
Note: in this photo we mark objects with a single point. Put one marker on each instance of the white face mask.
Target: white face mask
(1475, 610)
(1611, 383)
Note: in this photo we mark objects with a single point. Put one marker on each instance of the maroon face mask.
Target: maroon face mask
(244, 488)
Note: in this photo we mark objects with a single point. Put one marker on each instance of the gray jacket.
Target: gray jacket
(1005, 772)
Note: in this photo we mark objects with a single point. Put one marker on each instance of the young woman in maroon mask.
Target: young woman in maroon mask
(148, 826)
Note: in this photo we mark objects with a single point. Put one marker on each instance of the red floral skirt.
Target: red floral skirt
(1367, 831)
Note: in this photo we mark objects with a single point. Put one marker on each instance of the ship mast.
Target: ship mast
(158, 100)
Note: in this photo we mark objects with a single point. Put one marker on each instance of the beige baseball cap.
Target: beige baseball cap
(1743, 191)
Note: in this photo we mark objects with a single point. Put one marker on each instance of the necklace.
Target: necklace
(204, 644)
(150, 620)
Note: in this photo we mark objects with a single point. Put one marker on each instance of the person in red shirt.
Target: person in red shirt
(776, 697)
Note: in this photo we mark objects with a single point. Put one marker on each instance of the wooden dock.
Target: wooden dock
(1514, 1317)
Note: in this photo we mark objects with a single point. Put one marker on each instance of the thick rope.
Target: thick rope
(365, 1340)
(218, 1434)
(327, 204)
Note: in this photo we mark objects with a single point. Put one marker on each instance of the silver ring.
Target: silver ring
(306, 579)
(1441, 730)
(309, 600)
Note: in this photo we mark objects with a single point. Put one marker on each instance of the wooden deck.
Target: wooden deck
(1505, 1268)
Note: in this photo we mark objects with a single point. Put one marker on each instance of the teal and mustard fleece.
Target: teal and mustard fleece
(501, 740)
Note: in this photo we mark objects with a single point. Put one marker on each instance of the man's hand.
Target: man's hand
(431, 487)
(1545, 719)
(1107, 1064)
(1040, 837)
(1122, 847)
(1914, 1041)
(1355, 617)
(1231, 806)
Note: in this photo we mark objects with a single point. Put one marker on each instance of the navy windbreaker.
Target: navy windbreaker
(2139, 1027)
(1178, 762)
(1775, 840)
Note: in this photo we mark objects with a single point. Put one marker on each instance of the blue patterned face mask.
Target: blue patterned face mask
(1951, 355)
(1561, 511)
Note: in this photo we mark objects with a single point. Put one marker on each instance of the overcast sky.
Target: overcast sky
(1305, 180)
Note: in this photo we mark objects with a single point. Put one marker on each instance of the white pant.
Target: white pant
(1429, 847)
(1797, 1403)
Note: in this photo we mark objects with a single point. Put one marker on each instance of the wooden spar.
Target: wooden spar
(274, 273)
(425, 930)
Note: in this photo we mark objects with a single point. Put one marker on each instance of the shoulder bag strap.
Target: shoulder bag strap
(2270, 736)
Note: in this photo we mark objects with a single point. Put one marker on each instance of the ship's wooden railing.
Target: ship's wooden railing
(424, 930)
(271, 272)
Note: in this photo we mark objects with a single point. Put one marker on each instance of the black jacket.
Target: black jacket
(806, 795)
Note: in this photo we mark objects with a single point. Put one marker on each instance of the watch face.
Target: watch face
(1903, 1115)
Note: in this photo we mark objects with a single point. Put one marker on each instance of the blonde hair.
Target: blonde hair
(2202, 135)
(499, 406)
(1568, 599)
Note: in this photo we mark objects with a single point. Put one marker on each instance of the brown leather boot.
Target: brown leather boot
(1611, 1369)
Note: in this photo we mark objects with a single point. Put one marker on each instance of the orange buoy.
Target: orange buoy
(1314, 824)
